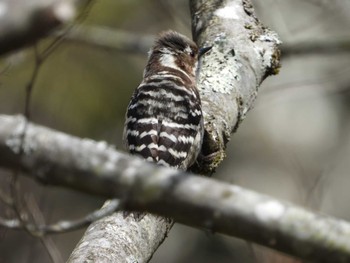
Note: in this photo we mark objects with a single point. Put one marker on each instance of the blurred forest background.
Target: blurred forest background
(294, 145)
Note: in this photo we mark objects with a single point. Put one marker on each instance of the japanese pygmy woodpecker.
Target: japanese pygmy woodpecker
(164, 120)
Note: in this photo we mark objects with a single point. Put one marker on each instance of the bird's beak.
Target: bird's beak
(203, 50)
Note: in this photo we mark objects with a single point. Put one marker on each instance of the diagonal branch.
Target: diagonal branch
(94, 167)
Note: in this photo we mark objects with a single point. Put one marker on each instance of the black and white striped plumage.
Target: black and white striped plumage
(164, 122)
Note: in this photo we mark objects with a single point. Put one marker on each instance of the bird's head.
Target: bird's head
(175, 51)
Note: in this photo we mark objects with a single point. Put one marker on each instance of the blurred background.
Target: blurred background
(294, 145)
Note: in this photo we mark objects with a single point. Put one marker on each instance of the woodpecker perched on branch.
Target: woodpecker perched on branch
(164, 121)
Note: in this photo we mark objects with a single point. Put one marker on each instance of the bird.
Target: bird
(164, 119)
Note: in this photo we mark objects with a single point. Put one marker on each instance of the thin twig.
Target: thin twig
(16, 206)
(30, 85)
(58, 40)
(14, 184)
(38, 219)
(55, 43)
(64, 226)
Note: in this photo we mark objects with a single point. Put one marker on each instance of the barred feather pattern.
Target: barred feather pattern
(164, 121)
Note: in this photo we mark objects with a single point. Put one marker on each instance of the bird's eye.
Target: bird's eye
(192, 53)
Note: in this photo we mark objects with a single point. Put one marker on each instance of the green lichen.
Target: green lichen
(275, 64)
(248, 26)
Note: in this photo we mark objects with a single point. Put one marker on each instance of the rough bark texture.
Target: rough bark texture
(244, 53)
(102, 240)
(94, 167)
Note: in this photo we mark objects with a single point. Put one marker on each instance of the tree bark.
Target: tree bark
(244, 53)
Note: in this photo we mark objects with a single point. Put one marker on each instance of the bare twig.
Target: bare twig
(63, 226)
(38, 219)
(31, 83)
(59, 38)
(17, 206)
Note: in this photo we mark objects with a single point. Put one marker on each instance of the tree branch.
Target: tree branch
(23, 22)
(94, 167)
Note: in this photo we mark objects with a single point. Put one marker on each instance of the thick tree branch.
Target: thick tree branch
(94, 167)
(117, 238)
(244, 53)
